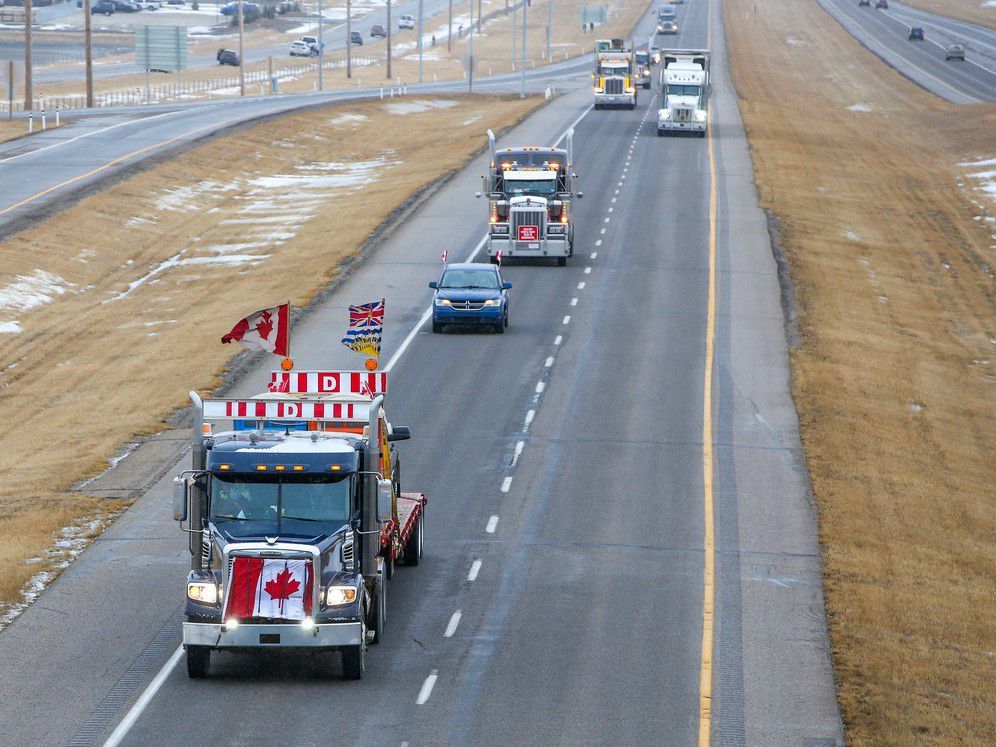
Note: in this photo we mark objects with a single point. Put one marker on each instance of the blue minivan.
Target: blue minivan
(470, 293)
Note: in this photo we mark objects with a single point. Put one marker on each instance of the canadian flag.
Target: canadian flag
(265, 330)
(279, 386)
(261, 587)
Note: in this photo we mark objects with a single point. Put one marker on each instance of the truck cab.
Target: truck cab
(296, 520)
(684, 92)
(530, 191)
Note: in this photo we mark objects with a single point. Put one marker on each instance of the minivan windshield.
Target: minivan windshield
(284, 505)
(484, 279)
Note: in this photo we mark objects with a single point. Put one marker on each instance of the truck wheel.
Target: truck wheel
(354, 662)
(437, 327)
(413, 550)
(198, 662)
(561, 261)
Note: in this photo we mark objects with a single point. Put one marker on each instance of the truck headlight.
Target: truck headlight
(700, 115)
(492, 302)
(630, 89)
(664, 114)
(443, 302)
(597, 89)
(336, 596)
(204, 592)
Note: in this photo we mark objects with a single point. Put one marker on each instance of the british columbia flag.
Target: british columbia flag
(366, 326)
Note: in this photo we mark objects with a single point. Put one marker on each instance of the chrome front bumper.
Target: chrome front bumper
(549, 247)
(615, 99)
(291, 635)
(682, 126)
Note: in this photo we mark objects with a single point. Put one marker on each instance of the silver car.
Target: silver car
(955, 52)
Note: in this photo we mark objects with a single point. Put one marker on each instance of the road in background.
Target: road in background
(884, 32)
(564, 466)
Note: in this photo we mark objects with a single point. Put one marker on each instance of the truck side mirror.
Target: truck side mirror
(580, 195)
(433, 284)
(399, 433)
(385, 495)
(477, 195)
(179, 499)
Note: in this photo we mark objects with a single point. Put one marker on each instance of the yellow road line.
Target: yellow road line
(709, 540)
(119, 159)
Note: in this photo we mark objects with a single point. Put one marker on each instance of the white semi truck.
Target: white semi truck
(685, 92)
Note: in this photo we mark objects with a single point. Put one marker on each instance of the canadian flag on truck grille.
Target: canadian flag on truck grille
(261, 587)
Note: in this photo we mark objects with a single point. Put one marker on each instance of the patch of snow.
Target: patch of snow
(29, 291)
(850, 235)
(471, 120)
(859, 108)
(987, 162)
(10, 328)
(188, 198)
(347, 118)
(421, 105)
(794, 42)
(161, 267)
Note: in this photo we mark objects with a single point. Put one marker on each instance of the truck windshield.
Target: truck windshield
(483, 279)
(613, 69)
(677, 89)
(285, 505)
(531, 186)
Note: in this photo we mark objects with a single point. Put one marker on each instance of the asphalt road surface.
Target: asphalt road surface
(884, 32)
(566, 537)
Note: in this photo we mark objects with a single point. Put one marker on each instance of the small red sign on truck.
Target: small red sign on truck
(528, 233)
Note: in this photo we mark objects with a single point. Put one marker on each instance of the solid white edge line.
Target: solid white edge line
(144, 699)
(426, 691)
(452, 625)
(475, 568)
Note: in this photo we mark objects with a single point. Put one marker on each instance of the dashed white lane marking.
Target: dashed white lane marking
(519, 446)
(581, 285)
(587, 270)
(451, 626)
(567, 319)
(624, 175)
(426, 691)
(540, 386)
(549, 361)
(607, 220)
(611, 209)
(617, 191)
(506, 484)
(614, 200)
(558, 339)
(574, 301)
(475, 568)
(595, 254)
(529, 418)
(492, 523)
(603, 231)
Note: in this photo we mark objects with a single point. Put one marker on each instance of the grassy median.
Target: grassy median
(973, 11)
(112, 310)
(891, 260)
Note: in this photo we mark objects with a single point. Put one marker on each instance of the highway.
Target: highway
(884, 32)
(612, 482)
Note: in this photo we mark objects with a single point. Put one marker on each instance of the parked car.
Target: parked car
(406, 22)
(955, 52)
(470, 293)
(916, 34)
(228, 57)
(125, 6)
(102, 8)
(300, 49)
(356, 37)
(312, 41)
(377, 30)
(882, 4)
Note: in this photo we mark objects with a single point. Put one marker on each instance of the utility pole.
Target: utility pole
(449, 29)
(549, 29)
(242, 67)
(28, 94)
(89, 55)
(470, 74)
(515, 35)
(388, 39)
(479, 15)
(349, 38)
(522, 73)
(10, 90)
(321, 50)
(419, 41)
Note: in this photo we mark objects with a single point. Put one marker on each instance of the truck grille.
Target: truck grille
(528, 218)
(682, 115)
(613, 86)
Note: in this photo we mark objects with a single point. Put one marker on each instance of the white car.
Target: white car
(150, 4)
(406, 22)
(300, 49)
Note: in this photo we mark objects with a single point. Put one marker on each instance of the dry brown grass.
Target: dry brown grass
(893, 378)
(11, 129)
(492, 48)
(967, 10)
(88, 372)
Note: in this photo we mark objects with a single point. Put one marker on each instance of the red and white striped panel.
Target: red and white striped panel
(253, 409)
(328, 382)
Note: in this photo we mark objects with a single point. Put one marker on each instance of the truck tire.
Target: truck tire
(561, 261)
(198, 662)
(413, 550)
(354, 662)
